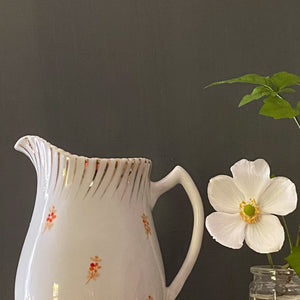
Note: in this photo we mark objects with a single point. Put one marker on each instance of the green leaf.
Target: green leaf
(283, 79)
(278, 108)
(257, 93)
(294, 259)
(287, 90)
(247, 78)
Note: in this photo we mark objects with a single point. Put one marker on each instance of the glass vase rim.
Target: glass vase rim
(267, 270)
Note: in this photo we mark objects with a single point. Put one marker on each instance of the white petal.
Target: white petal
(252, 177)
(224, 195)
(279, 198)
(265, 236)
(226, 229)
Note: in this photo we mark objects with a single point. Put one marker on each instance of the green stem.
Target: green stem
(297, 122)
(287, 233)
(279, 96)
(270, 260)
(295, 118)
(298, 237)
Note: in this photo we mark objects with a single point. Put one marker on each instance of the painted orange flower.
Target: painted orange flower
(146, 225)
(49, 221)
(93, 271)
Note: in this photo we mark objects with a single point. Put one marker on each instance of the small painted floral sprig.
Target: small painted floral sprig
(94, 268)
(270, 89)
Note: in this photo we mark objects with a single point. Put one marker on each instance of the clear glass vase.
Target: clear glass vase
(274, 284)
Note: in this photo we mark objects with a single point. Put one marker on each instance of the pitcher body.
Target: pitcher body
(92, 235)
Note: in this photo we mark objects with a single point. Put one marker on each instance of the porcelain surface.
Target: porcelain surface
(92, 235)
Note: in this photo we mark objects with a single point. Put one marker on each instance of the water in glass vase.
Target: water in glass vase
(274, 284)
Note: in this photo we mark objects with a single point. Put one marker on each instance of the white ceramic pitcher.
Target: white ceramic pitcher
(92, 235)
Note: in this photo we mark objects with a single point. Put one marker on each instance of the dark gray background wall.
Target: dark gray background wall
(125, 78)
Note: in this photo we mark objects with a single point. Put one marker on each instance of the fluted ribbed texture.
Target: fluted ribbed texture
(68, 176)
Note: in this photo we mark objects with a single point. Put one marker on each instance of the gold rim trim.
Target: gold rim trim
(102, 177)
(111, 179)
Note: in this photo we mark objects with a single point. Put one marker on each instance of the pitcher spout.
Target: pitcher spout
(30, 146)
(49, 161)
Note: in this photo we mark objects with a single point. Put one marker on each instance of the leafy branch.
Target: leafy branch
(270, 90)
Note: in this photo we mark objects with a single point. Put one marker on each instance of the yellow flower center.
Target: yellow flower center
(249, 211)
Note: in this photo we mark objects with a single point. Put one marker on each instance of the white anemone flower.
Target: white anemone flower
(246, 205)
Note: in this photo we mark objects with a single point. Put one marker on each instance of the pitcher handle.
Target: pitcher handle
(179, 176)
